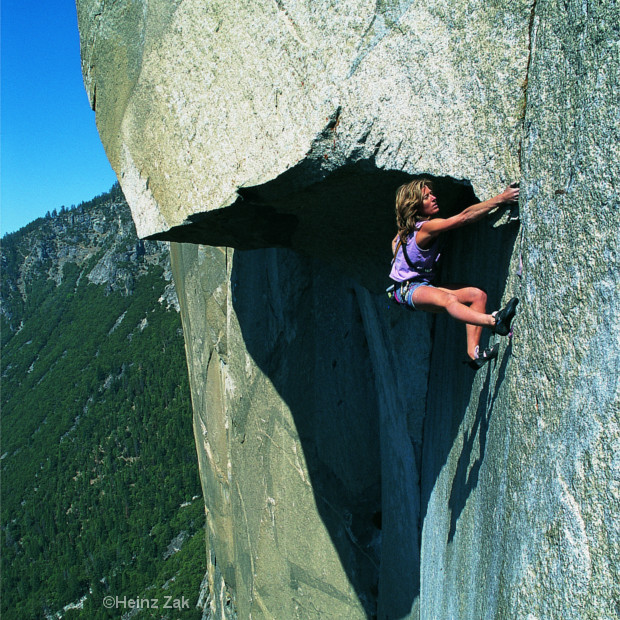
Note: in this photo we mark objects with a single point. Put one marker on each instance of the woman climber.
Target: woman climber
(416, 250)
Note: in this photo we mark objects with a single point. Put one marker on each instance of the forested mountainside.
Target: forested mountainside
(100, 487)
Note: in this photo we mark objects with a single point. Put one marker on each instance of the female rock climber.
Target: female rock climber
(416, 250)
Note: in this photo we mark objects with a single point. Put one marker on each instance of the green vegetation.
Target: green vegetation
(99, 470)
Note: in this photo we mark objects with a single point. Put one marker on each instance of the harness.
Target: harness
(404, 288)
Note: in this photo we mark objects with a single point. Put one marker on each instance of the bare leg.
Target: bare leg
(477, 301)
(466, 304)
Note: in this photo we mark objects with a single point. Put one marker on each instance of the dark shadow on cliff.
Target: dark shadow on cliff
(467, 473)
(302, 327)
(301, 324)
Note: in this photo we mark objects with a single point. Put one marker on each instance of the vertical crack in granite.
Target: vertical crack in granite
(523, 111)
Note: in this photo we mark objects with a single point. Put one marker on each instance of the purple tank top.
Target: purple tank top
(424, 261)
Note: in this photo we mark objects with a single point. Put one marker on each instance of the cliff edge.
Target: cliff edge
(351, 466)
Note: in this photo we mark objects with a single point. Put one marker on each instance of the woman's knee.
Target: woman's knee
(480, 296)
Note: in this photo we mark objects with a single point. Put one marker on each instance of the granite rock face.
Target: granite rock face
(351, 465)
(273, 124)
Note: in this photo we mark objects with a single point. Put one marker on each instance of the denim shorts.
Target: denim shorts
(404, 292)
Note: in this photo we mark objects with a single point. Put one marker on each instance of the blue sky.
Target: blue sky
(51, 154)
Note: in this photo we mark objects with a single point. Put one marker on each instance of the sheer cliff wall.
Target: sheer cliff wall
(351, 465)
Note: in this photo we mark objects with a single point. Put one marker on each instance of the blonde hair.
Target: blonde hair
(408, 202)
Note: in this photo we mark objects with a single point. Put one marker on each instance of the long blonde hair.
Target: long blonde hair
(408, 202)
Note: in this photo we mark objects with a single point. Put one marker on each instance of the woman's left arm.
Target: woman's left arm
(472, 214)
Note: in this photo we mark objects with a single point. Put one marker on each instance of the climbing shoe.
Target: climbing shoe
(504, 317)
(483, 357)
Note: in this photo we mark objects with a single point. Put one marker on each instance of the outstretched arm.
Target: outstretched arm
(472, 214)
